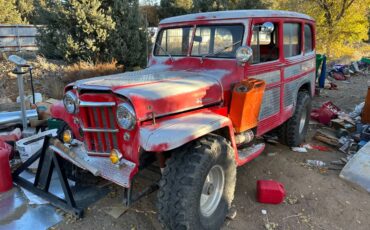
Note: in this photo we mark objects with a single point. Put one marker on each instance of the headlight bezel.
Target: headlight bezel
(130, 122)
(70, 96)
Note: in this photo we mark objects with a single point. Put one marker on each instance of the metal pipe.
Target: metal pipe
(20, 62)
(17, 116)
(21, 96)
(244, 137)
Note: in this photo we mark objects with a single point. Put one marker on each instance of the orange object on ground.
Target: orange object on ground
(365, 116)
(246, 103)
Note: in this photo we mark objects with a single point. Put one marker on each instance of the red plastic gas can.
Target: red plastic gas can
(6, 182)
(270, 192)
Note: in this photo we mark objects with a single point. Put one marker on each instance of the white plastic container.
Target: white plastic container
(27, 146)
(29, 98)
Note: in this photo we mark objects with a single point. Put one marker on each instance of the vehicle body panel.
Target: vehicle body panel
(170, 134)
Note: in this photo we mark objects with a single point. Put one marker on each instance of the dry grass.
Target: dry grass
(57, 77)
(50, 76)
(83, 70)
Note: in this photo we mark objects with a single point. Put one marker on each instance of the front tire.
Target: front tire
(294, 130)
(198, 184)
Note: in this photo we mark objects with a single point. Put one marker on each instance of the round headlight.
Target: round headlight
(70, 102)
(125, 116)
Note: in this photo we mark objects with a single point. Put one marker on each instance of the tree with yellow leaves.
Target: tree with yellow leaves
(9, 13)
(340, 24)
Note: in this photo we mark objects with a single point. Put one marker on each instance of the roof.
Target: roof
(233, 14)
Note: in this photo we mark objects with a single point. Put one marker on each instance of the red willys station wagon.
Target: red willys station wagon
(215, 83)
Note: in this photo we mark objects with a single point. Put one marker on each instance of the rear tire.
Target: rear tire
(294, 130)
(197, 186)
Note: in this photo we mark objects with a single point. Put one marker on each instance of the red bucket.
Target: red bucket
(270, 192)
(6, 182)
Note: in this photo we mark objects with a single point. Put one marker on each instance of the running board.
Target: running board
(247, 154)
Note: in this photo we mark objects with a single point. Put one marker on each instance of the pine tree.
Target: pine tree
(178, 7)
(247, 4)
(75, 30)
(26, 9)
(128, 41)
(9, 13)
(169, 8)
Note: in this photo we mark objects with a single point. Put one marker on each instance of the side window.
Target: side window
(308, 44)
(292, 39)
(264, 44)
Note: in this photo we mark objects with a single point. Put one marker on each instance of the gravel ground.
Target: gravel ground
(316, 199)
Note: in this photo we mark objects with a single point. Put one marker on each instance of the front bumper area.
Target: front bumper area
(99, 166)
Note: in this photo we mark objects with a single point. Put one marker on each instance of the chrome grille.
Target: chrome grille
(99, 128)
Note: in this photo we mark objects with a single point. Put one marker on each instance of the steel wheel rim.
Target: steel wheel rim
(302, 121)
(212, 191)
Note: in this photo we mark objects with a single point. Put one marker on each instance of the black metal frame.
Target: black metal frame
(49, 161)
(129, 197)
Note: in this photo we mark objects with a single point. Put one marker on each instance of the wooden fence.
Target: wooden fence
(17, 37)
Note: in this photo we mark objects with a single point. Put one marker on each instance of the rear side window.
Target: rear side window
(308, 45)
(292, 39)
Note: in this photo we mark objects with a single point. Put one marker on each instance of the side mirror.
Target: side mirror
(267, 27)
(244, 54)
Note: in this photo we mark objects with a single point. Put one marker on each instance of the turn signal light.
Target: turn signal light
(115, 156)
(67, 136)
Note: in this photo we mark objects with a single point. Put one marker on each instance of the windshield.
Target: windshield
(173, 41)
(219, 41)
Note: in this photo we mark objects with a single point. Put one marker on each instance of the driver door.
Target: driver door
(267, 65)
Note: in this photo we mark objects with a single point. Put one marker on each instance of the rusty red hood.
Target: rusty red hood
(162, 91)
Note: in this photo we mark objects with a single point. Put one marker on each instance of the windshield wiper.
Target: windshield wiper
(219, 51)
(165, 51)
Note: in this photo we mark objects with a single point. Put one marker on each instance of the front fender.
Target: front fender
(173, 133)
(58, 111)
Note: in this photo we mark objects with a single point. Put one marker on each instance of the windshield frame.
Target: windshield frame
(244, 22)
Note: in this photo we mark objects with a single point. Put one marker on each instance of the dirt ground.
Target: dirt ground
(316, 199)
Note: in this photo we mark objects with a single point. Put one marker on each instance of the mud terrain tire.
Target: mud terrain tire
(294, 130)
(184, 183)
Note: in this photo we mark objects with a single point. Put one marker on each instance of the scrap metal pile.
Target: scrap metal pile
(348, 132)
(339, 72)
(23, 119)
